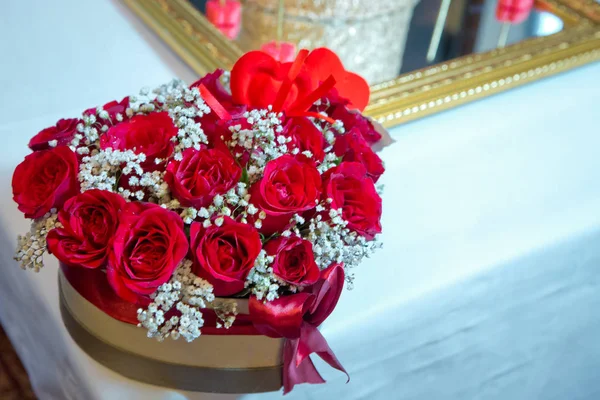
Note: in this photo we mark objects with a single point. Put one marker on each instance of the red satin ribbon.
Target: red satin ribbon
(213, 103)
(293, 72)
(297, 365)
(300, 106)
(318, 116)
(296, 318)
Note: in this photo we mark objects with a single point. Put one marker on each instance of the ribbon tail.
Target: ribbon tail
(304, 104)
(298, 367)
(316, 343)
(317, 116)
(294, 374)
(287, 84)
(213, 103)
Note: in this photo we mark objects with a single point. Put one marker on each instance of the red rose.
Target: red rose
(223, 255)
(149, 245)
(45, 180)
(294, 260)
(290, 185)
(112, 108)
(354, 120)
(200, 175)
(305, 136)
(89, 223)
(354, 192)
(257, 77)
(353, 147)
(63, 132)
(149, 134)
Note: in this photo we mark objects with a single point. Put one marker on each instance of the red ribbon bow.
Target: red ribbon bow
(259, 80)
(296, 318)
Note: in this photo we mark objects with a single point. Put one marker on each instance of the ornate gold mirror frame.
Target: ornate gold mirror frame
(418, 93)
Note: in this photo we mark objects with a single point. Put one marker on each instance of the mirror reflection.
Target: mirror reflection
(380, 39)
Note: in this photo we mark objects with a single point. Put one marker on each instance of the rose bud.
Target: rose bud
(112, 108)
(294, 260)
(305, 136)
(62, 133)
(353, 119)
(353, 147)
(350, 188)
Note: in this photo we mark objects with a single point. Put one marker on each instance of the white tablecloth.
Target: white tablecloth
(488, 284)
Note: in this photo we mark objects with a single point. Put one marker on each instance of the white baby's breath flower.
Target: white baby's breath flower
(32, 246)
(188, 294)
(252, 210)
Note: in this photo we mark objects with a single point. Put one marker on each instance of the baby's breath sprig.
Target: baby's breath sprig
(186, 293)
(32, 246)
(234, 204)
(184, 105)
(334, 243)
(261, 281)
(263, 140)
(102, 168)
(226, 311)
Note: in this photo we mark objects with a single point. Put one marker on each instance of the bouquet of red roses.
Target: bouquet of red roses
(256, 184)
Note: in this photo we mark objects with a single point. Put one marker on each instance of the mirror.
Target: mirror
(420, 56)
(402, 35)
